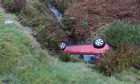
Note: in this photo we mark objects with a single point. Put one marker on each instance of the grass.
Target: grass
(42, 21)
(29, 64)
(35, 13)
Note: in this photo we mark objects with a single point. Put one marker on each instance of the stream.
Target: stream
(54, 10)
(59, 16)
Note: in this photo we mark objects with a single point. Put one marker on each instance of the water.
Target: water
(59, 16)
(54, 10)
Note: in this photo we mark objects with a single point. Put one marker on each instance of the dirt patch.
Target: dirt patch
(100, 12)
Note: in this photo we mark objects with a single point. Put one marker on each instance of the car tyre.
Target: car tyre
(99, 43)
(62, 46)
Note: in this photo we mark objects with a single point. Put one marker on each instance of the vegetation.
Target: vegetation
(38, 16)
(33, 65)
(84, 23)
(67, 24)
(34, 14)
(23, 61)
(124, 39)
(116, 61)
(13, 5)
(122, 33)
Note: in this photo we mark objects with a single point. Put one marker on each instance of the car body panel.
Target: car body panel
(86, 49)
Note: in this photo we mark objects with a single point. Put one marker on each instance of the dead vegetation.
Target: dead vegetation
(101, 12)
(13, 5)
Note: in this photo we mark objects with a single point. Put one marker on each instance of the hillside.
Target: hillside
(25, 62)
(92, 15)
(27, 56)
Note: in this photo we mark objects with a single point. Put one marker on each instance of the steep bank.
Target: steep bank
(40, 18)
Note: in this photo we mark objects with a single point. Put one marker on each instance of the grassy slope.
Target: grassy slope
(42, 21)
(35, 13)
(30, 64)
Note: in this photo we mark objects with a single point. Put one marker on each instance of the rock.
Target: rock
(8, 21)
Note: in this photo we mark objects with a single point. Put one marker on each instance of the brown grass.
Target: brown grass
(13, 5)
(101, 12)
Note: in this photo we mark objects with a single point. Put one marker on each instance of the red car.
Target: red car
(88, 52)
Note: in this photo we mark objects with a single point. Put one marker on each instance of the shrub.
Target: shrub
(119, 33)
(67, 22)
(41, 29)
(84, 23)
(116, 61)
(68, 25)
(13, 5)
(29, 16)
(52, 42)
(124, 37)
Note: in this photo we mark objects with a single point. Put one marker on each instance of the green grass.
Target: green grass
(26, 63)
(35, 14)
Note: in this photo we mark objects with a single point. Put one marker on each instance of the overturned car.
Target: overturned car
(88, 52)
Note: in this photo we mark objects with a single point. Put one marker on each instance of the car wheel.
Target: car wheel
(62, 46)
(99, 43)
